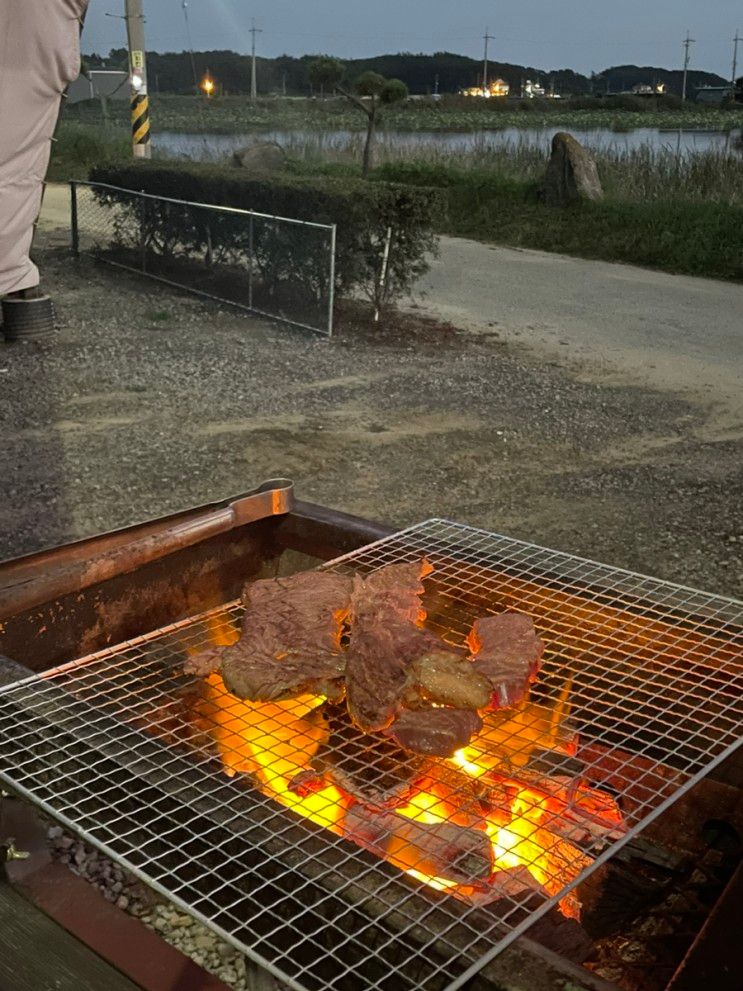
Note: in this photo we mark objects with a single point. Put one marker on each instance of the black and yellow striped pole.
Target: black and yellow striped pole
(141, 147)
(140, 125)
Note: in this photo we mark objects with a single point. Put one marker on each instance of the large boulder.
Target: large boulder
(572, 175)
(266, 156)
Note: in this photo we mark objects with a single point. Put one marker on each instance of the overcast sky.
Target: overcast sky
(549, 34)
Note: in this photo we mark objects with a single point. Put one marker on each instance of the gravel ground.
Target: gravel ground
(150, 402)
(179, 929)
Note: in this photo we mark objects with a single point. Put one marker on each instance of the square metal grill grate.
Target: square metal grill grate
(129, 753)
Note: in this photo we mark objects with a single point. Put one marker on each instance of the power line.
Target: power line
(688, 42)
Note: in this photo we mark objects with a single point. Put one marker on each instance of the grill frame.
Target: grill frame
(467, 539)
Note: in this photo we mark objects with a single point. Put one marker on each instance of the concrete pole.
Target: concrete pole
(141, 147)
(736, 39)
(488, 37)
(688, 42)
(253, 70)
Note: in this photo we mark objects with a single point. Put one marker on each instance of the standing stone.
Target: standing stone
(264, 157)
(572, 175)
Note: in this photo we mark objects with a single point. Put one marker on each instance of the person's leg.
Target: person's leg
(39, 56)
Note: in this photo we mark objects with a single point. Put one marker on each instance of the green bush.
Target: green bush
(363, 212)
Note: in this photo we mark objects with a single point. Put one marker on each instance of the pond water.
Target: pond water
(214, 147)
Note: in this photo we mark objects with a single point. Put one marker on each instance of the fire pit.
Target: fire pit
(336, 860)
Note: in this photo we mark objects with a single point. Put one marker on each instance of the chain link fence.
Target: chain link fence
(277, 267)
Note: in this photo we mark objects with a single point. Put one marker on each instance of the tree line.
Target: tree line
(180, 73)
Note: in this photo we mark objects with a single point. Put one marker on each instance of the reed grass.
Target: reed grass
(639, 175)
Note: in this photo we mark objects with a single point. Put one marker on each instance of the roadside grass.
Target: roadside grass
(78, 147)
(685, 235)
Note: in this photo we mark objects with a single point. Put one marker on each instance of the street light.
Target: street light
(207, 85)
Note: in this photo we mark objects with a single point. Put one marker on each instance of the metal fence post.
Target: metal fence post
(251, 248)
(142, 236)
(74, 227)
(331, 303)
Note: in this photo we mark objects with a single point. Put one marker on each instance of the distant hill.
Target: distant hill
(623, 77)
(173, 72)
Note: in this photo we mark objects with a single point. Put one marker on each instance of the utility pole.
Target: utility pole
(736, 39)
(141, 147)
(184, 5)
(688, 42)
(253, 74)
(488, 37)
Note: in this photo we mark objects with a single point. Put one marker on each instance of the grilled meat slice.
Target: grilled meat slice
(291, 639)
(206, 663)
(386, 636)
(435, 732)
(264, 679)
(508, 652)
(444, 677)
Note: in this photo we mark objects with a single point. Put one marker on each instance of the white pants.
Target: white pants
(39, 56)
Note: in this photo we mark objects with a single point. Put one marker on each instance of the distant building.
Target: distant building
(112, 83)
(532, 90)
(645, 89)
(712, 94)
(497, 88)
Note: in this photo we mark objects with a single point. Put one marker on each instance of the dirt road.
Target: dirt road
(651, 328)
(150, 401)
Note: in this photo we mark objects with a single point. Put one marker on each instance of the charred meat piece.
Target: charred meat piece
(435, 732)
(508, 652)
(443, 677)
(386, 637)
(291, 639)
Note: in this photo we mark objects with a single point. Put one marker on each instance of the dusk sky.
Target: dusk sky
(549, 34)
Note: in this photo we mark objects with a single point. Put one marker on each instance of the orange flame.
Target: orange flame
(274, 742)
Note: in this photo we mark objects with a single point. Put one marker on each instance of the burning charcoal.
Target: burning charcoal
(445, 678)
(508, 652)
(435, 732)
(436, 850)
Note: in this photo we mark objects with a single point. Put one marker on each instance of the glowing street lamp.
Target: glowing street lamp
(207, 85)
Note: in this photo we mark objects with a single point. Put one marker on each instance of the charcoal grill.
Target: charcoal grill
(101, 741)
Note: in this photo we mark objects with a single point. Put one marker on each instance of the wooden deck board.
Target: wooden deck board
(38, 955)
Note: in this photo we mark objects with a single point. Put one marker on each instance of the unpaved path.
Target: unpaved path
(652, 328)
(150, 401)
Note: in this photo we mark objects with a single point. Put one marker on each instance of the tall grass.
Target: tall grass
(77, 147)
(644, 174)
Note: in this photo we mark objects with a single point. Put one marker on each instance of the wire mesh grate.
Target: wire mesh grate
(335, 860)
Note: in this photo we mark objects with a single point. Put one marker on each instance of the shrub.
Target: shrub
(77, 147)
(365, 214)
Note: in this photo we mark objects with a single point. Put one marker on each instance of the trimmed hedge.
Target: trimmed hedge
(363, 212)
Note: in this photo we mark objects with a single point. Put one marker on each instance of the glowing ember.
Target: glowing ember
(479, 808)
